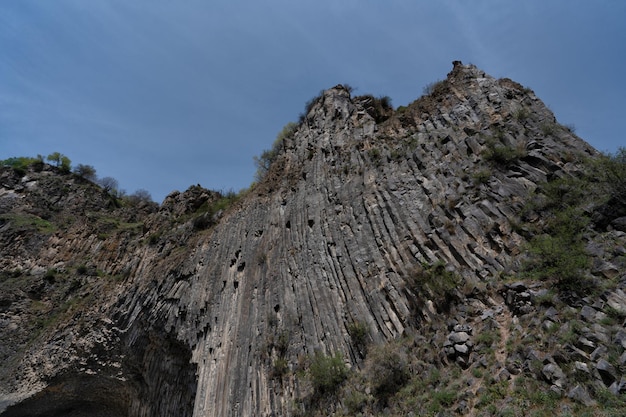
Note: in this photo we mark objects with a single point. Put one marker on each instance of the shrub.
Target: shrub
(210, 211)
(379, 108)
(522, 114)
(502, 155)
(85, 171)
(268, 156)
(387, 370)
(348, 88)
(108, 184)
(203, 221)
(562, 193)
(21, 164)
(482, 176)
(358, 333)
(280, 368)
(488, 337)
(140, 196)
(355, 402)
(559, 254)
(434, 88)
(548, 128)
(327, 373)
(61, 161)
(444, 397)
(434, 282)
(613, 166)
(309, 104)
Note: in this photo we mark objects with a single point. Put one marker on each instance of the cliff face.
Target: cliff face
(188, 309)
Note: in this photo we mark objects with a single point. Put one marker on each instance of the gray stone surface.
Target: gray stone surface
(182, 324)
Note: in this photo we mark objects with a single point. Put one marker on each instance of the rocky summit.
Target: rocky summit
(462, 255)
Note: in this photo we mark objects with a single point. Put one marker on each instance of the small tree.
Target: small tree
(60, 161)
(108, 184)
(55, 157)
(66, 164)
(85, 171)
(264, 162)
(139, 196)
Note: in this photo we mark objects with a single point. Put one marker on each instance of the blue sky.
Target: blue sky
(162, 95)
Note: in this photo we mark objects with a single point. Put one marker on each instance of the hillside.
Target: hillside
(462, 255)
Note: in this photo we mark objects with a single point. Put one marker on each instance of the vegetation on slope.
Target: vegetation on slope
(511, 371)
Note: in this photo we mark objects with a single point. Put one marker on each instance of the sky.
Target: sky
(162, 94)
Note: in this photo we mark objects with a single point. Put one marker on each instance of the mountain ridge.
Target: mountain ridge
(370, 228)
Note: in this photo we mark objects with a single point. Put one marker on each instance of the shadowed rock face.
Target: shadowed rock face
(329, 238)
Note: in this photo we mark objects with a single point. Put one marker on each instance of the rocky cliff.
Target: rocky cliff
(383, 249)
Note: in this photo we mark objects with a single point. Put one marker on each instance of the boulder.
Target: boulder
(554, 374)
(607, 372)
(580, 394)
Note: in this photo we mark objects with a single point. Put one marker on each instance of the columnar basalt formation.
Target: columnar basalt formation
(187, 315)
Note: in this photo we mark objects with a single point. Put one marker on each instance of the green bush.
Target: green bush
(280, 368)
(327, 373)
(358, 333)
(434, 282)
(559, 254)
(355, 402)
(387, 370)
(613, 168)
(501, 154)
(444, 398)
(21, 164)
(268, 156)
(61, 161)
(482, 176)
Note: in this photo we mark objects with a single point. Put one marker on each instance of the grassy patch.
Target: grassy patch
(434, 282)
(28, 222)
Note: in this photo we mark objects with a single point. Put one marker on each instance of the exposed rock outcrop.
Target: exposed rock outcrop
(190, 308)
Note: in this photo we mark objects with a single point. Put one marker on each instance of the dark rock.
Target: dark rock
(458, 337)
(582, 367)
(620, 338)
(588, 313)
(554, 374)
(517, 286)
(574, 353)
(463, 328)
(585, 344)
(581, 395)
(551, 313)
(607, 372)
(617, 301)
(619, 224)
(598, 352)
(461, 349)
(618, 388)
(504, 375)
(514, 367)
